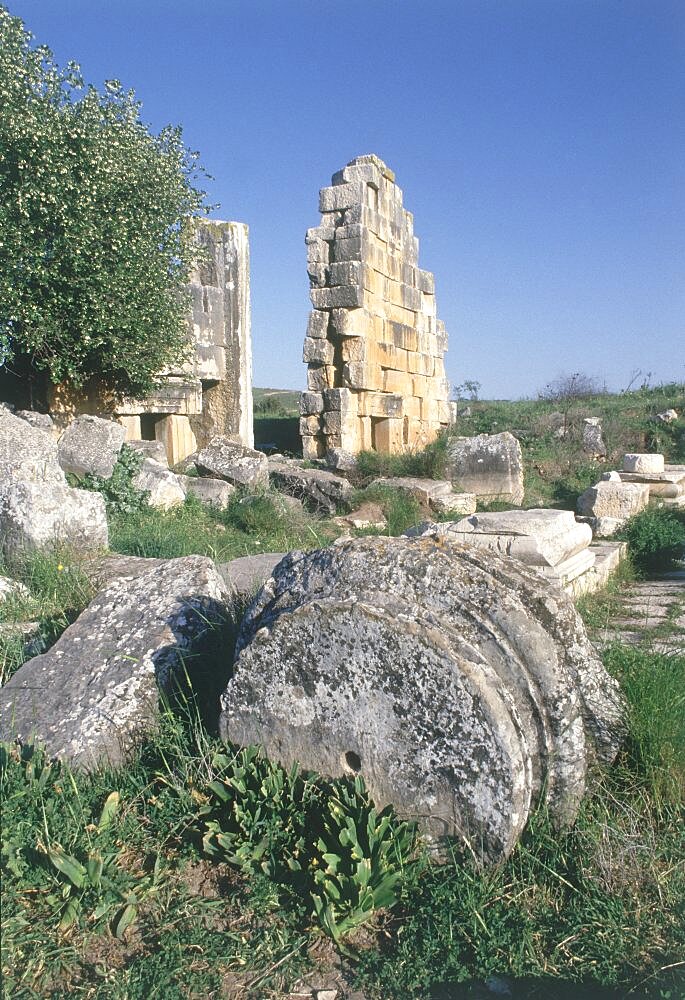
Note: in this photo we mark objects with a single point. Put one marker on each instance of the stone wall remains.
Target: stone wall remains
(211, 394)
(374, 346)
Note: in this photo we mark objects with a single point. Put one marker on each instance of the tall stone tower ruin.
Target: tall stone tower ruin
(374, 345)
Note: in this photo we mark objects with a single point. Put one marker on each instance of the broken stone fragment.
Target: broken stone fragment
(210, 492)
(233, 462)
(320, 488)
(98, 689)
(538, 537)
(615, 500)
(91, 446)
(459, 683)
(150, 449)
(37, 515)
(634, 462)
(163, 486)
(244, 576)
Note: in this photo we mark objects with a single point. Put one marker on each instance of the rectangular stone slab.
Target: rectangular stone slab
(537, 537)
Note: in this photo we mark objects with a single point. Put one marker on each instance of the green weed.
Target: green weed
(400, 509)
(245, 528)
(121, 496)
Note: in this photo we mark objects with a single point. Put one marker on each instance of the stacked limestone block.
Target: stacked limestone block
(374, 345)
(210, 393)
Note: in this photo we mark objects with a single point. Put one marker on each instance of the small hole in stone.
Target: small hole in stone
(353, 762)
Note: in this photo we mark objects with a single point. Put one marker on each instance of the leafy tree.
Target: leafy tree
(95, 244)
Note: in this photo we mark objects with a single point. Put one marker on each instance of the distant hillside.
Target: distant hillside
(276, 402)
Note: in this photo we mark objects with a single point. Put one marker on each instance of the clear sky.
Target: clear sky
(540, 145)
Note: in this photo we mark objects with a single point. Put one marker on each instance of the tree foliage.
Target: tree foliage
(94, 242)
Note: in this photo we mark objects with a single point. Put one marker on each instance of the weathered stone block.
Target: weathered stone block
(318, 275)
(317, 324)
(318, 352)
(310, 425)
(318, 487)
(539, 537)
(388, 435)
(340, 196)
(210, 492)
(643, 463)
(380, 404)
(615, 500)
(229, 460)
(349, 272)
(320, 377)
(342, 296)
(489, 465)
(176, 434)
(91, 445)
(310, 403)
(340, 399)
(313, 448)
(37, 514)
(165, 491)
(318, 252)
(89, 698)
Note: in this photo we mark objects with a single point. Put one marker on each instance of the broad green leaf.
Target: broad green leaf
(109, 811)
(71, 867)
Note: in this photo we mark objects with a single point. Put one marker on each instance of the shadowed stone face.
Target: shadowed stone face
(459, 683)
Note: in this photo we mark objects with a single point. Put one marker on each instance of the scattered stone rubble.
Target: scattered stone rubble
(608, 504)
(374, 346)
(460, 684)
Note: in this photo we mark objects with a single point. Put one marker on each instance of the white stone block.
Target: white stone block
(643, 463)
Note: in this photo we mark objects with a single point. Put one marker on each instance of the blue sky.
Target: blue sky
(540, 145)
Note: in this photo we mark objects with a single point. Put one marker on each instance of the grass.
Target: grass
(603, 903)
(57, 590)
(599, 608)
(400, 509)
(249, 525)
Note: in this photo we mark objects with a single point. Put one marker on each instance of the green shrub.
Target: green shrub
(656, 539)
(121, 496)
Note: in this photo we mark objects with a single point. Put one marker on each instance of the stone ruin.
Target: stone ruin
(211, 394)
(619, 495)
(374, 345)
